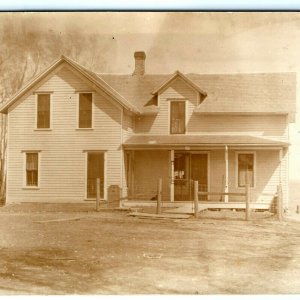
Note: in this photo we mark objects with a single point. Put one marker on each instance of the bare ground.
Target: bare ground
(71, 249)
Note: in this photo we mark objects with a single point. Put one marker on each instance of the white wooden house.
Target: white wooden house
(69, 126)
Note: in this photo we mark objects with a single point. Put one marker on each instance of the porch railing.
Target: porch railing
(246, 194)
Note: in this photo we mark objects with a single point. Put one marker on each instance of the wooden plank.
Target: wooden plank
(97, 194)
(159, 190)
(279, 203)
(208, 204)
(226, 174)
(186, 210)
(219, 194)
(248, 211)
(60, 220)
(196, 200)
(160, 216)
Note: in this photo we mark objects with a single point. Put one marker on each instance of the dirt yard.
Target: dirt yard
(67, 249)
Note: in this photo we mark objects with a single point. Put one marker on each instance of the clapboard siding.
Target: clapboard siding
(63, 149)
(159, 124)
(62, 156)
(151, 165)
(272, 126)
(267, 174)
(148, 167)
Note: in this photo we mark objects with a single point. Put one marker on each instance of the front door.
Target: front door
(189, 167)
(199, 171)
(95, 169)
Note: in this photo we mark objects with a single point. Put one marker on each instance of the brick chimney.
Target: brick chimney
(140, 57)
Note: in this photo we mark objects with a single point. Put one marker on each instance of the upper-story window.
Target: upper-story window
(85, 110)
(177, 117)
(43, 111)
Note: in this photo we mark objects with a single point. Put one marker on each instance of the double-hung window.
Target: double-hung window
(32, 169)
(246, 165)
(43, 111)
(85, 110)
(177, 117)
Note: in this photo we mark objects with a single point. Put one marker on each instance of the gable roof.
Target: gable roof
(184, 78)
(226, 93)
(91, 76)
(262, 93)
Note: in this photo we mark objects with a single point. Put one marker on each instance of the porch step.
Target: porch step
(185, 209)
(160, 216)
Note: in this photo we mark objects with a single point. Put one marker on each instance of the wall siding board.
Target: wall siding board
(275, 126)
(63, 160)
(63, 157)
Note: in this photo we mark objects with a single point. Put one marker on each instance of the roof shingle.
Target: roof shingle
(262, 93)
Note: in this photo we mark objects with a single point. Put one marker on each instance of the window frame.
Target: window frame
(31, 187)
(170, 116)
(36, 111)
(237, 168)
(78, 111)
(87, 152)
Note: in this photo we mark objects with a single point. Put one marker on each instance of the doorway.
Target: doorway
(95, 169)
(189, 166)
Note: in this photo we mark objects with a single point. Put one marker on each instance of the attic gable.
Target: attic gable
(89, 76)
(176, 75)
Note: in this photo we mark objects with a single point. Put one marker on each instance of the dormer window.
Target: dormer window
(177, 117)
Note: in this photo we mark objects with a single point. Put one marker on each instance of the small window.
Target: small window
(245, 169)
(32, 168)
(43, 111)
(177, 118)
(85, 110)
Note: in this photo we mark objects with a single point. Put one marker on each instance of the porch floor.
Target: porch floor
(188, 206)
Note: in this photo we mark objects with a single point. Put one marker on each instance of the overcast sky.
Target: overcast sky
(190, 42)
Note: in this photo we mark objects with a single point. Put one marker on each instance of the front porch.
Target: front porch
(188, 206)
(218, 169)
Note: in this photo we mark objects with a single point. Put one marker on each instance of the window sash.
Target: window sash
(85, 110)
(177, 121)
(43, 111)
(245, 165)
(32, 169)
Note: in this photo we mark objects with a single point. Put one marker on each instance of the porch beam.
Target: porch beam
(226, 174)
(172, 157)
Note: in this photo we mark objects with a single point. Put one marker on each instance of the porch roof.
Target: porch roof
(158, 141)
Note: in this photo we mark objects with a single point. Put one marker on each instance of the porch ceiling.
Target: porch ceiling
(159, 141)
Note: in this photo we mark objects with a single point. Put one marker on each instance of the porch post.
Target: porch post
(280, 165)
(172, 176)
(226, 174)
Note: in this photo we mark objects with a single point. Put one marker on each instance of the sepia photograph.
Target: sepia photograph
(149, 153)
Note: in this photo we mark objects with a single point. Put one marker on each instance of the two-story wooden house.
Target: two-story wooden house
(69, 126)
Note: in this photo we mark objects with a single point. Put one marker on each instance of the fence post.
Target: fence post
(279, 203)
(97, 194)
(159, 190)
(247, 193)
(196, 198)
